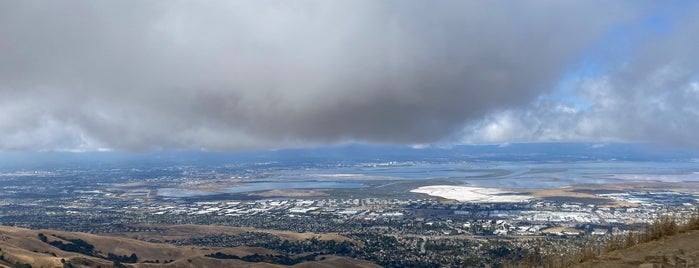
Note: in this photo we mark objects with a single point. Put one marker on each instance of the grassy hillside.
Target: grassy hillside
(665, 243)
(680, 250)
(48, 248)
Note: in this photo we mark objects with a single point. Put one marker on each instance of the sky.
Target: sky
(140, 76)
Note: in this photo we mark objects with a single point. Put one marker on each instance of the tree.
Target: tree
(43, 237)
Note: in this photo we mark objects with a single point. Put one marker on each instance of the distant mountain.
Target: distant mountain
(352, 153)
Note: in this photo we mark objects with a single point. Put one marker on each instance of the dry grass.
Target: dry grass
(23, 245)
(665, 226)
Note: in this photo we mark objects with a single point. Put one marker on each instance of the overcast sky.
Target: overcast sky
(239, 75)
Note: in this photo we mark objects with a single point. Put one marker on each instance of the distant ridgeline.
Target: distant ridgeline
(352, 153)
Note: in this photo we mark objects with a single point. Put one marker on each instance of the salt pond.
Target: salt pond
(472, 194)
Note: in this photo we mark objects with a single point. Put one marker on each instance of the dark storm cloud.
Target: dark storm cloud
(234, 75)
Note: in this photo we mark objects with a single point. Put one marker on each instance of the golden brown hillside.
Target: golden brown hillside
(49, 248)
(680, 250)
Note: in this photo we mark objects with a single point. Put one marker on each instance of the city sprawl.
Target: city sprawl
(388, 214)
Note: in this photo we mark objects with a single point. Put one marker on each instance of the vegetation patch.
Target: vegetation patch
(85, 248)
(268, 258)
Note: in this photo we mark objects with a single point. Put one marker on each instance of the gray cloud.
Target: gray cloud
(652, 97)
(237, 75)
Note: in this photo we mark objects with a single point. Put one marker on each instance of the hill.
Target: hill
(49, 248)
(680, 250)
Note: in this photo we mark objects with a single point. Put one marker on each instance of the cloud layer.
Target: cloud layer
(221, 75)
(652, 96)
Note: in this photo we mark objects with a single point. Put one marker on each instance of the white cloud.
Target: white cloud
(651, 97)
